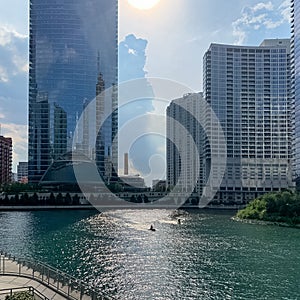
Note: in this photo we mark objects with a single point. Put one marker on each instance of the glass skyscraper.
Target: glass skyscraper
(295, 50)
(73, 58)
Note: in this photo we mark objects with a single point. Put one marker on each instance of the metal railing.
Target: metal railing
(62, 283)
(31, 290)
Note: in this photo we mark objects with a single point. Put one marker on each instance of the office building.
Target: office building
(5, 160)
(180, 144)
(249, 89)
(295, 61)
(22, 172)
(73, 59)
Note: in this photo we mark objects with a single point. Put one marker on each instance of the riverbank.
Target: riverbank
(92, 207)
(262, 222)
(46, 207)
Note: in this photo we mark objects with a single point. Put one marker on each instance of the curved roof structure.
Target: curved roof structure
(61, 171)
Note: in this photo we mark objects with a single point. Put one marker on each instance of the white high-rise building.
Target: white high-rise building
(295, 62)
(180, 144)
(249, 90)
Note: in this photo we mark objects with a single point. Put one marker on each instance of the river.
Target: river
(207, 256)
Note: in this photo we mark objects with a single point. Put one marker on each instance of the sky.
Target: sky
(167, 41)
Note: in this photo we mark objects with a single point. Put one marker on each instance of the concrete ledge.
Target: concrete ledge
(46, 207)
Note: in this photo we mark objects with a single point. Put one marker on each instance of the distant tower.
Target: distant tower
(22, 172)
(125, 163)
(5, 159)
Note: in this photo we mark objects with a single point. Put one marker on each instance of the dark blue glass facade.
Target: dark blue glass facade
(73, 58)
(296, 82)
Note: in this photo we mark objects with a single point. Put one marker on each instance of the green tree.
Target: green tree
(51, 200)
(68, 199)
(76, 200)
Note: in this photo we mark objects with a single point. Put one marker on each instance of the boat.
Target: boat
(152, 228)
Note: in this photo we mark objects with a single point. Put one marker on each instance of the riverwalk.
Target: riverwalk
(42, 280)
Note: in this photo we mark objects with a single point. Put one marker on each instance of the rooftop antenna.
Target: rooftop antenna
(98, 61)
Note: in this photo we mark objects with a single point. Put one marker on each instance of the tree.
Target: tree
(52, 199)
(35, 199)
(76, 200)
(16, 199)
(59, 199)
(68, 199)
(146, 200)
(92, 198)
(133, 199)
(24, 199)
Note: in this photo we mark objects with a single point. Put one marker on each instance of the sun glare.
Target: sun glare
(143, 4)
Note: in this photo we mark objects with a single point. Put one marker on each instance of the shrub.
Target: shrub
(20, 296)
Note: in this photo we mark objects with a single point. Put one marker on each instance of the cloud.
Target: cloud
(262, 16)
(260, 6)
(8, 35)
(13, 75)
(285, 8)
(3, 75)
(13, 89)
(132, 60)
(13, 45)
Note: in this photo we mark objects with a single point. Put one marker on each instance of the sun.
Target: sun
(143, 4)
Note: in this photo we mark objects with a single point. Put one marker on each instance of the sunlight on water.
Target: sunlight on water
(206, 256)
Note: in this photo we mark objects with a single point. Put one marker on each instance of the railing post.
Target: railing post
(57, 280)
(68, 288)
(43, 269)
(81, 293)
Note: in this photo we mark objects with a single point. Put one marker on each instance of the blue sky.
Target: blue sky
(172, 38)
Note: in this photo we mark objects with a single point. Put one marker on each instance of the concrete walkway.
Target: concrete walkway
(50, 282)
(9, 282)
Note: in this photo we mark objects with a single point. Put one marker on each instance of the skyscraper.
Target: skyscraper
(5, 160)
(295, 59)
(73, 58)
(249, 90)
(22, 172)
(179, 146)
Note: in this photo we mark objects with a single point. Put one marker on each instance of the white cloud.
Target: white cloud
(13, 51)
(3, 75)
(259, 6)
(8, 34)
(285, 8)
(132, 51)
(271, 24)
(260, 16)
